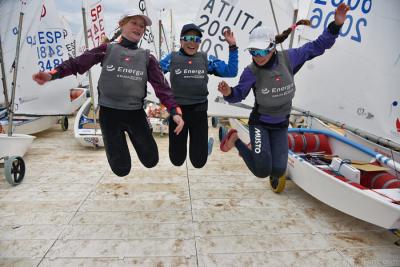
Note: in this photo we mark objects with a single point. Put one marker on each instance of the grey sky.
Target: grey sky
(183, 12)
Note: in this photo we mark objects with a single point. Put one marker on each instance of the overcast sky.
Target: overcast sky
(183, 11)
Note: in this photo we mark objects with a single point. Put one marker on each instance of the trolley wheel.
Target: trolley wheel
(64, 123)
(214, 122)
(222, 132)
(14, 168)
(277, 183)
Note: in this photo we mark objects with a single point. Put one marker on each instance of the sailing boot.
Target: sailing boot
(277, 183)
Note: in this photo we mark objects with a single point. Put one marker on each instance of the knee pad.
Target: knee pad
(199, 165)
(261, 174)
(121, 172)
(151, 163)
(176, 162)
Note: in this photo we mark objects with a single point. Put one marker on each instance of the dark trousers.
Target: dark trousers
(196, 126)
(114, 123)
(268, 155)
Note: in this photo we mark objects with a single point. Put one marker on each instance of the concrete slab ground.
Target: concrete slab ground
(71, 210)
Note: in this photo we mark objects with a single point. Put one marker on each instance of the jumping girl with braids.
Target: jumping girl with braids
(271, 78)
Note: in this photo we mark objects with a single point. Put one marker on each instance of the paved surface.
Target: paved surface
(71, 210)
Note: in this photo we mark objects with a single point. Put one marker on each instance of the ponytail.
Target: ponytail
(116, 35)
(105, 40)
(280, 38)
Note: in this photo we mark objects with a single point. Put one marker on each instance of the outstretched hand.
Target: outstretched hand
(229, 37)
(41, 77)
(224, 88)
(340, 14)
(179, 121)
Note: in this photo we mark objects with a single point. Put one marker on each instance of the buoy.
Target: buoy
(75, 93)
(309, 143)
(379, 180)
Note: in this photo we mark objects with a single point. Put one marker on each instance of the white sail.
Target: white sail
(214, 16)
(96, 31)
(357, 81)
(42, 48)
(69, 38)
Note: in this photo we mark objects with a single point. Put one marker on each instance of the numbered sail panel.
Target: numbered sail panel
(42, 48)
(95, 23)
(215, 16)
(355, 82)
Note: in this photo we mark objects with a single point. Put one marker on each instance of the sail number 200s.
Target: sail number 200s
(356, 24)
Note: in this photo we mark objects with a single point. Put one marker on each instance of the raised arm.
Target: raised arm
(298, 56)
(73, 66)
(165, 63)
(219, 67)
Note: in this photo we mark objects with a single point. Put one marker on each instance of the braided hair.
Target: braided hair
(116, 35)
(280, 38)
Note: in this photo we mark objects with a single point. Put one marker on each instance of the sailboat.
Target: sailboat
(86, 127)
(12, 146)
(37, 108)
(347, 174)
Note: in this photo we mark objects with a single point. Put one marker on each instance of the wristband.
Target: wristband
(176, 111)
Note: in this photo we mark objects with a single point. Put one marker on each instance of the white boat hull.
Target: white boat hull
(362, 204)
(35, 124)
(375, 206)
(15, 145)
(32, 125)
(87, 137)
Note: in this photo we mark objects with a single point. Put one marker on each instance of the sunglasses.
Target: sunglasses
(262, 52)
(191, 38)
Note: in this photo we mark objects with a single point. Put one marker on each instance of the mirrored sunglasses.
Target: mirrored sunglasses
(191, 38)
(262, 52)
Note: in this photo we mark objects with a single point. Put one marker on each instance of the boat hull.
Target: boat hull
(89, 137)
(15, 145)
(376, 206)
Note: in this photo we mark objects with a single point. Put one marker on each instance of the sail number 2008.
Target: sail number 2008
(318, 17)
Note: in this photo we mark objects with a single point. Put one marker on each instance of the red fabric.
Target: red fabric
(376, 180)
(308, 143)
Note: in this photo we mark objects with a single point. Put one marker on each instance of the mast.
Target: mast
(159, 38)
(3, 76)
(14, 82)
(151, 32)
(295, 14)
(275, 21)
(92, 107)
(171, 36)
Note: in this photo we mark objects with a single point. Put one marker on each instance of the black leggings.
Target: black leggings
(114, 123)
(196, 125)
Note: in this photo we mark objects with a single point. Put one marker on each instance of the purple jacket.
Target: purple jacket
(297, 57)
(92, 57)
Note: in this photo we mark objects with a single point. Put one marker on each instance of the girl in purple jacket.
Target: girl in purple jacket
(126, 69)
(271, 78)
